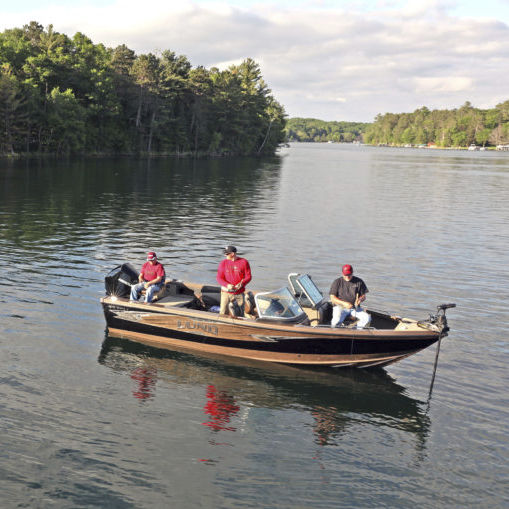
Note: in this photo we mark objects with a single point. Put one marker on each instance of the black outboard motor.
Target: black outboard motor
(118, 282)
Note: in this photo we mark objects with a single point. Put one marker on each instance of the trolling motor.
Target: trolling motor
(438, 321)
(119, 281)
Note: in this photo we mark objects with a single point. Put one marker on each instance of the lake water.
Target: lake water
(91, 421)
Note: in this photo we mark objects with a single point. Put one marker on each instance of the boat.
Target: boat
(473, 146)
(290, 325)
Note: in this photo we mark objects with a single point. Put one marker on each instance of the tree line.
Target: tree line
(65, 95)
(314, 130)
(459, 127)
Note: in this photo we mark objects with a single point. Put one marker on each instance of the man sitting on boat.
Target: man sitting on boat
(233, 274)
(151, 279)
(346, 294)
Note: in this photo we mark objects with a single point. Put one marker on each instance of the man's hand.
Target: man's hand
(146, 285)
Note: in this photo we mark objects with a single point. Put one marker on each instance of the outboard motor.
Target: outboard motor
(118, 282)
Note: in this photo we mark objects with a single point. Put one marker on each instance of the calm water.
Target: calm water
(88, 421)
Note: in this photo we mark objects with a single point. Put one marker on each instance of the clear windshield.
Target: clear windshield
(310, 289)
(305, 291)
(278, 305)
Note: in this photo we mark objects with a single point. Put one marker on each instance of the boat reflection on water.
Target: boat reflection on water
(221, 408)
(146, 380)
(335, 399)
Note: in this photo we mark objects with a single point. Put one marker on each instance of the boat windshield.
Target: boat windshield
(310, 290)
(278, 305)
(305, 291)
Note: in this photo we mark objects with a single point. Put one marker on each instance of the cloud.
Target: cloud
(443, 84)
(324, 62)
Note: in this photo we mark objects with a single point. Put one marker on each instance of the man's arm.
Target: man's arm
(336, 301)
(141, 277)
(221, 275)
(158, 279)
(333, 295)
(359, 299)
(246, 276)
(361, 293)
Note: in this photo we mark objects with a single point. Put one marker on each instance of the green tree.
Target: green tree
(12, 116)
(66, 120)
(64, 94)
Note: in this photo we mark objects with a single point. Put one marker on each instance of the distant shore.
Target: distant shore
(500, 148)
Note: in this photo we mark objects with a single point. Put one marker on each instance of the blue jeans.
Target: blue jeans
(340, 313)
(149, 294)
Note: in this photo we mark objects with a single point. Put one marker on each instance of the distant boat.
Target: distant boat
(473, 146)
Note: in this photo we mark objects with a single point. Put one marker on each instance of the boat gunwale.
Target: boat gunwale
(318, 332)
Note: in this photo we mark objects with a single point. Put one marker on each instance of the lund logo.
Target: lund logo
(200, 327)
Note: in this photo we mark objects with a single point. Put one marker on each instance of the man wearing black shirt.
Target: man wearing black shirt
(346, 294)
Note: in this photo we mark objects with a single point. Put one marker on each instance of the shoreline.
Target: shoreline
(430, 147)
(145, 155)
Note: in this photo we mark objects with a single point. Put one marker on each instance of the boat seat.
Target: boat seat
(321, 315)
(158, 295)
(325, 313)
(211, 299)
(175, 300)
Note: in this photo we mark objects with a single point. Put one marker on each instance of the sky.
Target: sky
(332, 60)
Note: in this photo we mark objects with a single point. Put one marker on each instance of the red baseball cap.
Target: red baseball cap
(151, 256)
(347, 270)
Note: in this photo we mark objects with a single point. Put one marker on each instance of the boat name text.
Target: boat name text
(198, 326)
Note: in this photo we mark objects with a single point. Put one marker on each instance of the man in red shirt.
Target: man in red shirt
(151, 279)
(233, 274)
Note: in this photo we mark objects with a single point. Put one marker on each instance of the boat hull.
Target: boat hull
(179, 327)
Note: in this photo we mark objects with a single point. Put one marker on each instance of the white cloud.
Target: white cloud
(329, 63)
(443, 84)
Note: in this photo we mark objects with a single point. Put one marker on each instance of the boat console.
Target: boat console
(317, 308)
(279, 305)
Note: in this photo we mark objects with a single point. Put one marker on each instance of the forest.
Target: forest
(61, 95)
(459, 127)
(312, 129)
